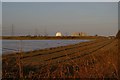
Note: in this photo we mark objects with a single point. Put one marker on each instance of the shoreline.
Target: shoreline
(46, 44)
(51, 37)
(51, 48)
(94, 55)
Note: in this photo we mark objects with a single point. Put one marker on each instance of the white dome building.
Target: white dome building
(58, 34)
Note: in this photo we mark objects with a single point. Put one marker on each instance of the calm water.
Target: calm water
(9, 46)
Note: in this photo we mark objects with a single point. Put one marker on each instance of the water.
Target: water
(9, 46)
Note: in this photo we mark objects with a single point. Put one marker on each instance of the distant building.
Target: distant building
(58, 34)
(78, 34)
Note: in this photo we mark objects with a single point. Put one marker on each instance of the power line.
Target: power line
(36, 31)
(45, 32)
(12, 32)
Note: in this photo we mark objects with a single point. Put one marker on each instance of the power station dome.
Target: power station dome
(58, 34)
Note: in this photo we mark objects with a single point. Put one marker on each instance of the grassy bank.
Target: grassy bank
(49, 37)
(87, 60)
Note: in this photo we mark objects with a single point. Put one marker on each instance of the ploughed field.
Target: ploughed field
(94, 59)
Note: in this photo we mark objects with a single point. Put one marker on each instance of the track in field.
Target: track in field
(62, 49)
(71, 54)
(78, 56)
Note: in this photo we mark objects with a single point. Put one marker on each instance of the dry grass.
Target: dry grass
(97, 59)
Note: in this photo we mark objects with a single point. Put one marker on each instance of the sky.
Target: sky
(0, 18)
(119, 15)
(39, 18)
(59, 0)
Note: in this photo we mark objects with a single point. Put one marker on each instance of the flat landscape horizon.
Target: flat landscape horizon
(87, 60)
(60, 40)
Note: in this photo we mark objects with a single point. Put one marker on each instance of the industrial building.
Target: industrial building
(58, 34)
(79, 34)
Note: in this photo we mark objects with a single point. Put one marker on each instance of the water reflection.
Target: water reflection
(9, 46)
